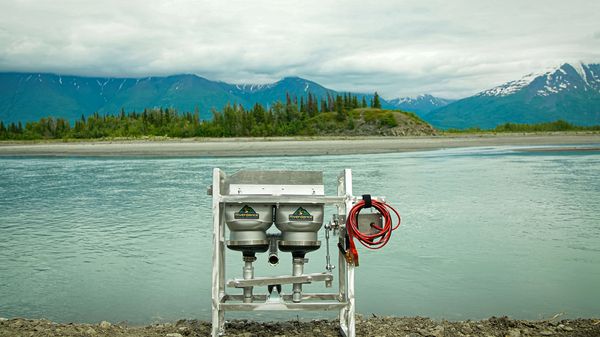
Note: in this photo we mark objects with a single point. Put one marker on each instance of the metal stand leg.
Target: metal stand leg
(346, 275)
(218, 270)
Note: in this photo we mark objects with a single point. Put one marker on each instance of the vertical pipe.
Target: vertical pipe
(297, 270)
(248, 275)
(273, 256)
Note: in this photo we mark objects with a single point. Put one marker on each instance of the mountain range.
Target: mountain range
(568, 92)
(421, 105)
(28, 96)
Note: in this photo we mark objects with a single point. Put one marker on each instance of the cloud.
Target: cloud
(400, 48)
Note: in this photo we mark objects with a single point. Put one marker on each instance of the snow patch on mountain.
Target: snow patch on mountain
(511, 87)
(249, 88)
(579, 68)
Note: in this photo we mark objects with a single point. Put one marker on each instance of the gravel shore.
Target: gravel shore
(372, 327)
(287, 146)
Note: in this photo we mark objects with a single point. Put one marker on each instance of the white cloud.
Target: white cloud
(448, 48)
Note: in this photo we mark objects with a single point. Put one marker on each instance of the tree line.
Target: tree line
(556, 126)
(293, 117)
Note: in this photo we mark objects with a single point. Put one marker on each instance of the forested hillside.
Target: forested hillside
(342, 115)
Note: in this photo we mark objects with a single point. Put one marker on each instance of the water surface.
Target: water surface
(486, 231)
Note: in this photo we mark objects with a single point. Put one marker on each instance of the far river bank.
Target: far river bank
(235, 147)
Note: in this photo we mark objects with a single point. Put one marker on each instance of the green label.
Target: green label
(246, 212)
(301, 215)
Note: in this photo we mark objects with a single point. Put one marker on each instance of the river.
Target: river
(486, 231)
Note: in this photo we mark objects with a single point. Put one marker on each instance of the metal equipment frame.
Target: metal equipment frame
(343, 300)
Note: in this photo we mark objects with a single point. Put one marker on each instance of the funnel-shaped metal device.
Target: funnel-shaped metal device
(299, 225)
(247, 225)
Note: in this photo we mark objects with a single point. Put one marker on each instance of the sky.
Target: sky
(399, 48)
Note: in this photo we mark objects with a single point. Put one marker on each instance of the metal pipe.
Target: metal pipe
(297, 270)
(248, 272)
(273, 252)
(328, 266)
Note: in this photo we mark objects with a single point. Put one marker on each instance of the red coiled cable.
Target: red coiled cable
(376, 240)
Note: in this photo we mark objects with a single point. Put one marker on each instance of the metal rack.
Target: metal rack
(342, 300)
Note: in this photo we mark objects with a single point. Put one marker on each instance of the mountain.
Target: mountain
(26, 96)
(421, 105)
(266, 94)
(569, 92)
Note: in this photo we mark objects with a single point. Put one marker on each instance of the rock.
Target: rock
(184, 330)
(546, 333)
(90, 331)
(438, 331)
(105, 325)
(466, 329)
(514, 333)
(174, 335)
(316, 331)
(423, 332)
(412, 334)
(567, 328)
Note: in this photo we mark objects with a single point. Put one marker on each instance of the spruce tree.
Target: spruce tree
(376, 102)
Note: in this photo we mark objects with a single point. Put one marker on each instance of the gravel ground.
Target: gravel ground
(372, 327)
(287, 146)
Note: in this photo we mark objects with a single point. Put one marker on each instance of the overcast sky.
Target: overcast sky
(400, 48)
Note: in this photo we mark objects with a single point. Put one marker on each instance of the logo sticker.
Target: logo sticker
(301, 215)
(246, 212)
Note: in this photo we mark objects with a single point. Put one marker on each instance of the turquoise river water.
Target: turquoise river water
(486, 231)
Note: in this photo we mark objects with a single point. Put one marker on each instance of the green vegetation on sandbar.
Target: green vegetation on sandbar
(330, 116)
(556, 126)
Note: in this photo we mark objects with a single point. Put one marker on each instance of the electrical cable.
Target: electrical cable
(373, 241)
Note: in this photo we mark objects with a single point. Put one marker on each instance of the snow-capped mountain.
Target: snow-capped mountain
(420, 105)
(569, 92)
(566, 77)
